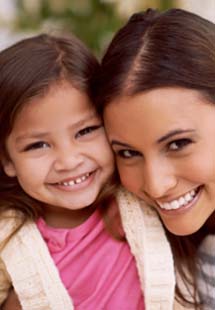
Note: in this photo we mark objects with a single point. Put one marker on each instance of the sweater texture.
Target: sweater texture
(25, 262)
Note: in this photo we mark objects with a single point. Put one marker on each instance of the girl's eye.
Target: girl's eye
(36, 145)
(87, 130)
(178, 145)
(127, 153)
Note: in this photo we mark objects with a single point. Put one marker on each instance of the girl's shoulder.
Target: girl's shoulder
(10, 220)
(129, 204)
(148, 243)
(138, 216)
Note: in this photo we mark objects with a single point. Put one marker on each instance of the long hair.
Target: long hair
(27, 70)
(153, 50)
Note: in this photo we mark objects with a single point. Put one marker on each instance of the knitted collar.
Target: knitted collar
(150, 247)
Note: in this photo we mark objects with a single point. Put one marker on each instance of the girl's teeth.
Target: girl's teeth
(182, 201)
(76, 181)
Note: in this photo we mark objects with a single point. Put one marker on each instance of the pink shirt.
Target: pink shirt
(98, 271)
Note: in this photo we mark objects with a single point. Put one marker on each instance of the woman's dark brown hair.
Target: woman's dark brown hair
(153, 50)
(27, 70)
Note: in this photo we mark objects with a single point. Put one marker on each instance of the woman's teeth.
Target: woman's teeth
(75, 181)
(177, 203)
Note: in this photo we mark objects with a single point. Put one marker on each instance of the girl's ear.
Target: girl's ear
(8, 167)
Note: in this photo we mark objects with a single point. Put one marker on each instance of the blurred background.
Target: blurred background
(93, 21)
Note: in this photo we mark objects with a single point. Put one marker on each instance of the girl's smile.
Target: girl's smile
(163, 140)
(58, 149)
(75, 183)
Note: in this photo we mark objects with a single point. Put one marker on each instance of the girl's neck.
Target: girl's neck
(66, 218)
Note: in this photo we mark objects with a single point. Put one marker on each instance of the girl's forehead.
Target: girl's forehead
(64, 106)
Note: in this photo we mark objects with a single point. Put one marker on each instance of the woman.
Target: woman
(156, 91)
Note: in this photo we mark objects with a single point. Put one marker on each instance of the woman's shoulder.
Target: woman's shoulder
(206, 272)
(208, 244)
(206, 251)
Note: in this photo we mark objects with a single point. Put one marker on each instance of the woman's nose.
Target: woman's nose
(159, 180)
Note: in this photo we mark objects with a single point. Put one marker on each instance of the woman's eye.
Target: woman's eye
(179, 144)
(127, 153)
(87, 130)
(36, 145)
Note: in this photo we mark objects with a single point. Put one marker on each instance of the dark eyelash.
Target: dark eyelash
(180, 143)
(34, 146)
(87, 130)
(121, 153)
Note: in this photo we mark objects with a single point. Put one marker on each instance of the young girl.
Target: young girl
(56, 184)
(157, 90)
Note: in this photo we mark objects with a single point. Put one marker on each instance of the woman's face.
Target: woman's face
(164, 142)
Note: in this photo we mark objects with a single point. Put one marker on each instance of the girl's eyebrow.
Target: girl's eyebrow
(172, 133)
(34, 135)
(40, 135)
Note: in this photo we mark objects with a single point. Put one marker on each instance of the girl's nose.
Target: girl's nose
(68, 159)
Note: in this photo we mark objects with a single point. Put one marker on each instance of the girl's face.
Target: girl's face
(58, 149)
(165, 150)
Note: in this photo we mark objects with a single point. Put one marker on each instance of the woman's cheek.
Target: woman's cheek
(130, 178)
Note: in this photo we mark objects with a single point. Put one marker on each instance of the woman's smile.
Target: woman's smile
(182, 201)
(163, 140)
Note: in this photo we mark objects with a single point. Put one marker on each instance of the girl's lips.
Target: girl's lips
(183, 208)
(76, 180)
(74, 184)
(73, 180)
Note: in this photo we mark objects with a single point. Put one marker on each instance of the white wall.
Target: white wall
(204, 8)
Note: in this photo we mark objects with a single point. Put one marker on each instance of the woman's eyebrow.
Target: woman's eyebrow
(172, 133)
(115, 142)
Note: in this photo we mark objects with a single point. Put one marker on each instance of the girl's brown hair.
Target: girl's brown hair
(153, 50)
(27, 70)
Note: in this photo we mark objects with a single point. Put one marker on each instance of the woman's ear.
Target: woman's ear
(8, 167)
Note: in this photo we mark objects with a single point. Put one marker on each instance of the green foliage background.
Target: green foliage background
(93, 21)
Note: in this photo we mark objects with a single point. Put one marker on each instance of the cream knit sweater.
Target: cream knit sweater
(26, 263)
